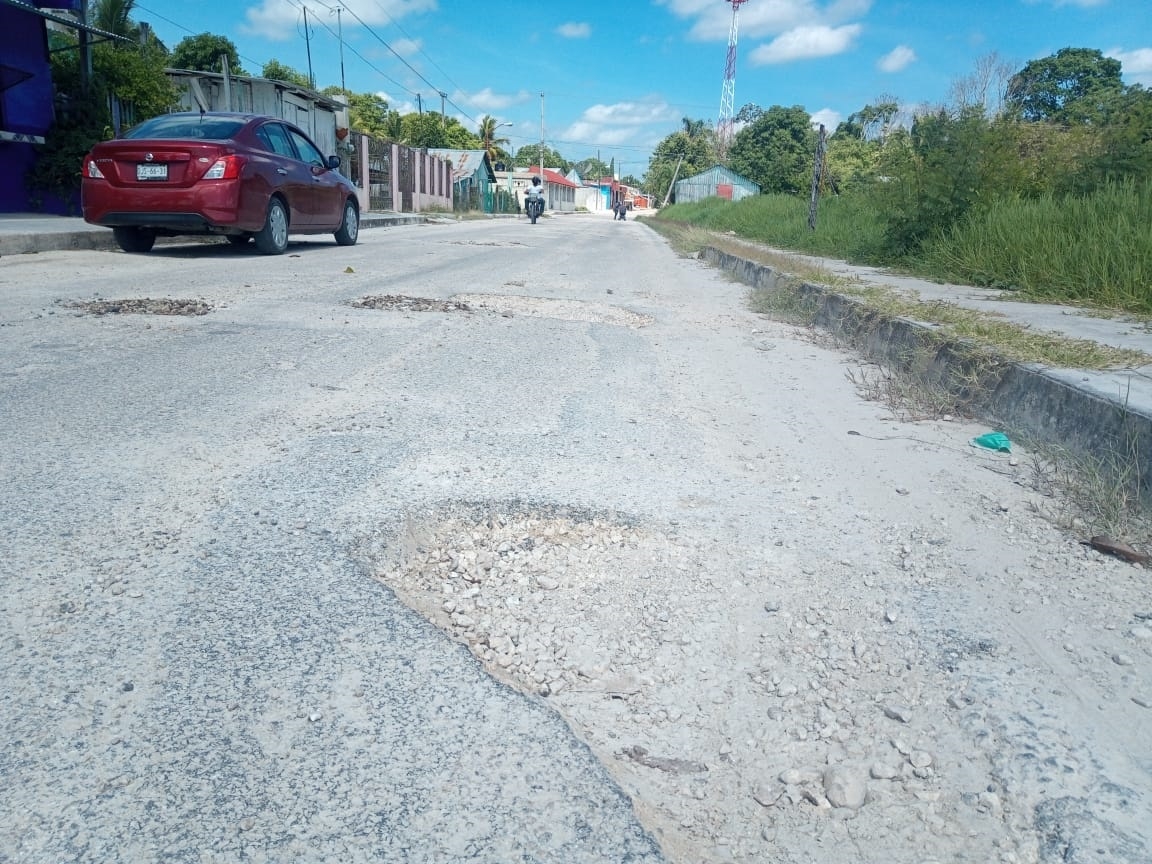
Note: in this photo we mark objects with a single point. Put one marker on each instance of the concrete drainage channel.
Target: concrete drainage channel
(1035, 403)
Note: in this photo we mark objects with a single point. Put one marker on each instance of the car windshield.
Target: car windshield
(187, 126)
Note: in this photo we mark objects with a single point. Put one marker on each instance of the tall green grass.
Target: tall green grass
(846, 227)
(1093, 249)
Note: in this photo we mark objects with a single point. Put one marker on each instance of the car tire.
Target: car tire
(272, 239)
(239, 239)
(349, 228)
(137, 240)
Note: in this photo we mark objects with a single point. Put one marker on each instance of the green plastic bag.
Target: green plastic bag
(997, 441)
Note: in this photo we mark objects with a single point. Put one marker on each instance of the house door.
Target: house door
(724, 190)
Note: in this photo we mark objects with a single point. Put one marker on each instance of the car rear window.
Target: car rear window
(183, 126)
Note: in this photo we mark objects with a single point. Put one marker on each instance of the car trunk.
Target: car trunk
(128, 162)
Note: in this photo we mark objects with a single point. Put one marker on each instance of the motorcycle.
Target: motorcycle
(534, 207)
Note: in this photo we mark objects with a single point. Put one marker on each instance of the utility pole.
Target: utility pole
(419, 105)
(308, 46)
(672, 185)
(443, 96)
(541, 134)
(817, 176)
(84, 43)
(340, 39)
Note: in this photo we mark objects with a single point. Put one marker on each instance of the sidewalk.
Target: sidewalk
(1095, 413)
(22, 233)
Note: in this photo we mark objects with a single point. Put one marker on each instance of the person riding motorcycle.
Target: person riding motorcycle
(534, 197)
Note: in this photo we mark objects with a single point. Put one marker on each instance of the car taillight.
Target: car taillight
(90, 169)
(224, 168)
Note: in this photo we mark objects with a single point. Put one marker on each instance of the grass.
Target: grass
(1011, 341)
(1092, 250)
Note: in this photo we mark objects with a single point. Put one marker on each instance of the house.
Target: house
(559, 191)
(318, 115)
(474, 184)
(27, 99)
(716, 182)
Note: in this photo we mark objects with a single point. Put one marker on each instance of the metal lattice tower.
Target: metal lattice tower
(728, 94)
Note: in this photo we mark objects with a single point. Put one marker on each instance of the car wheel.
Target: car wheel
(134, 239)
(272, 239)
(349, 228)
(239, 239)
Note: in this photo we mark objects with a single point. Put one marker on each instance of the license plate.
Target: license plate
(151, 172)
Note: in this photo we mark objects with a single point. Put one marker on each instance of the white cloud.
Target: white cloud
(830, 119)
(619, 123)
(407, 47)
(575, 30)
(489, 101)
(713, 20)
(1136, 65)
(803, 43)
(277, 20)
(897, 59)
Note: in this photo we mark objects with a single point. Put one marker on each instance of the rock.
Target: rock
(795, 776)
(900, 490)
(880, 771)
(1143, 701)
(1121, 659)
(1142, 633)
(844, 788)
(767, 794)
(771, 606)
(920, 758)
(315, 717)
(547, 583)
(897, 712)
(813, 797)
(890, 615)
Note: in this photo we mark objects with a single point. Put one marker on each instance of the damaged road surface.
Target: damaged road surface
(393, 553)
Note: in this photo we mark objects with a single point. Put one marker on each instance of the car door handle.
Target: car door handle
(281, 170)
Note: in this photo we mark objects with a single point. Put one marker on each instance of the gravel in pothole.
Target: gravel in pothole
(403, 303)
(142, 306)
(749, 715)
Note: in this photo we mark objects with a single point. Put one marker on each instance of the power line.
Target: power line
(408, 35)
(414, 70)
(366, 62)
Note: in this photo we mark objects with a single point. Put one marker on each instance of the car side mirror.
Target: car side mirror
(333, 163)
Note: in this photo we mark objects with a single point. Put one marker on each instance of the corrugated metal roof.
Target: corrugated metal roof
(465, 163)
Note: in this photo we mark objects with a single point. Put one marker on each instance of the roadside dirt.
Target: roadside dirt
(971, 685)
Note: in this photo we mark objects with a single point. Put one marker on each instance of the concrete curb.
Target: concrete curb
(92, 238)
(1034, 403)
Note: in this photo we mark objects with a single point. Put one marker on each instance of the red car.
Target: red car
(241, 176)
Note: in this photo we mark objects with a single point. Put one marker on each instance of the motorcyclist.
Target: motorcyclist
(534, 193)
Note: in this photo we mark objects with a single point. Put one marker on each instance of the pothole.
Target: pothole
(562, 310)
(750, 711)
(142, 306)
(403, 303)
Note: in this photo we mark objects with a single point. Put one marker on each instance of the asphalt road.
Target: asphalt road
(197, 665)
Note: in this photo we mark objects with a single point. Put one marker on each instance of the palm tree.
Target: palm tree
(115, 16)
(487, 133)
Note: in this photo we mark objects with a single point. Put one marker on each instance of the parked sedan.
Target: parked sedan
(241, 176)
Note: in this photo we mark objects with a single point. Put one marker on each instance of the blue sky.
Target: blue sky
(618, 75)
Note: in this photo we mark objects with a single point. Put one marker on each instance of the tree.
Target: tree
(367, 112)
(488, 138)
(776, 150)
(873, 121)
(1074, 85)
(591, 168)
(202, 53)
(529, 154)
(115, 16)
(691, 153)
(274, 70)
